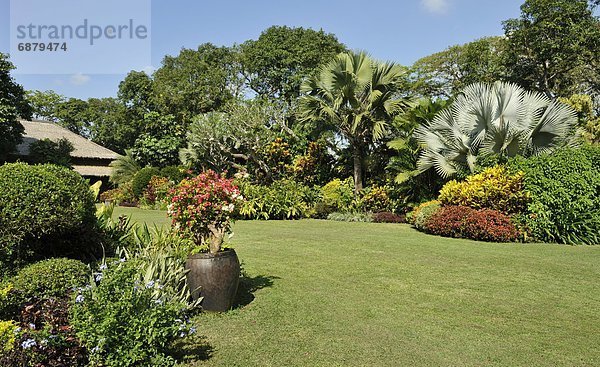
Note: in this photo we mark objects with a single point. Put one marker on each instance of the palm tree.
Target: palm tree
(123, 168)
(358, 96)
(500, 118)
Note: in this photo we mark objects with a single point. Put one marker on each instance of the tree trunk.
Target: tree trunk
(357, 154)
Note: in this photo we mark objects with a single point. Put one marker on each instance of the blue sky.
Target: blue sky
(401, 30)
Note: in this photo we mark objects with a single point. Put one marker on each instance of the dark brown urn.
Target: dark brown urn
(214, 277)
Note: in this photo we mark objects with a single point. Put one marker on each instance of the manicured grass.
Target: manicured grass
(365, 294)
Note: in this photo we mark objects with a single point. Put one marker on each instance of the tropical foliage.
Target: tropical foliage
(358, 96)
(499, 118)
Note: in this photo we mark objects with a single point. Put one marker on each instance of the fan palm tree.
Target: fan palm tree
(500, 118)
(358, 96)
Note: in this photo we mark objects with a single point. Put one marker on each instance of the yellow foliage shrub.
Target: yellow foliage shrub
(494, 188)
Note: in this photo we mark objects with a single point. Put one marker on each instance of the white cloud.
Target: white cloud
(79, 79)
(435, 6)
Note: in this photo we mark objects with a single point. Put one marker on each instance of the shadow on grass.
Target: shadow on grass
(192, 349)
(248, 285)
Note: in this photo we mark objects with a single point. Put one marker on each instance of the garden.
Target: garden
(353, 212)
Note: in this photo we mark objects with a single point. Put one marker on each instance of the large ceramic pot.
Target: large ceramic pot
(214, 277)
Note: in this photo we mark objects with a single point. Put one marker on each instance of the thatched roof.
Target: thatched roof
(84, 150)
(82, 147)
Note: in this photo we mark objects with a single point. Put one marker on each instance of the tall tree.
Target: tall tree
(45, 104)
(275, 64)
(445, 73)
(110, 125)
(196, 82)
(136, 93)
(13, 104)
(554, 47)
(358, 96)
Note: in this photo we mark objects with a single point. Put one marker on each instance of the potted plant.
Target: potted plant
(201, 207)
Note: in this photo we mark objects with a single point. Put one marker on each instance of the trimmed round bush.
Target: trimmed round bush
(53, 278)
(142, 179)
(464, 222)
(43, 208)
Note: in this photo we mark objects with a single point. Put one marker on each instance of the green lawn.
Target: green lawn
(364, 294)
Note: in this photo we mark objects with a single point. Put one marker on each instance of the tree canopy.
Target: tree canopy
(13, 104)
(554, 47)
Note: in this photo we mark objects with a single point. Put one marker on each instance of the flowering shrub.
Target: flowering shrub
(464, 222)
(121, 195)
(494, 188)
(202, 207)
(388, 217)
(157, 190)
(124, 322)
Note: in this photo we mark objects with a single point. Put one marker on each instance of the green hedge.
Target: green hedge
(44, 279)
(45, 211)
(565, 195)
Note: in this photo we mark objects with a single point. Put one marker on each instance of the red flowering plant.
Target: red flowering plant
(202, 207)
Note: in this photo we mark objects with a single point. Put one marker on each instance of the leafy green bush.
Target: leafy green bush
(44, 279)
(142, 179)
(494, 188)
(350, 217)
(283, 199)
(48, 151)
(175, 174)
(565, 195)
(124, 323)
(338, 195)
(45, 210)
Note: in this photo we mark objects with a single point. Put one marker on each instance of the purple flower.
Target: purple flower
(150, 284)
(79, 299)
